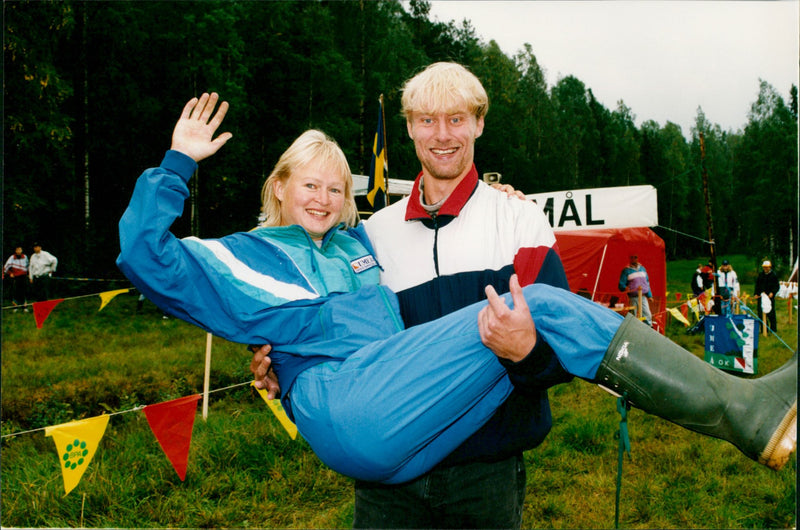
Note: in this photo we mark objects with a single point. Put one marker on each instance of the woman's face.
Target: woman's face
(312, 197)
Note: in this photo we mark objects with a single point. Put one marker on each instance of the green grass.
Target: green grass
(244, 471)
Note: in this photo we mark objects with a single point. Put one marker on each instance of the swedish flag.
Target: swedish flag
(378, 168)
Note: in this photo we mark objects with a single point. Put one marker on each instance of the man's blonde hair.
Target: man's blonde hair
(312, 148)
(444, 87)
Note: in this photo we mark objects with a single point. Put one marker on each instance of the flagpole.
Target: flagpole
(385, 150)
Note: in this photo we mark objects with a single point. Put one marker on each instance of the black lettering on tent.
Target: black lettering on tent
(589, 220)
(548, 210)
(569, 206)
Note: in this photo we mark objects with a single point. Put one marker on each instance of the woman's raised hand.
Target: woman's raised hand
(194, 132)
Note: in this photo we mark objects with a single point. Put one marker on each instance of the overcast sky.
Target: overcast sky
(663, 59)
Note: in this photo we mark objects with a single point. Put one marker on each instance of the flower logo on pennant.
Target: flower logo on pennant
(75, 454)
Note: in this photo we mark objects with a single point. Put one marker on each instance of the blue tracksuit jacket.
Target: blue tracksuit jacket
(232, 286)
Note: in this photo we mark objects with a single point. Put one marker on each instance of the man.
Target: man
(16, 268)
(42, 266)
(635, 282)
(439, 248)
(767, 283)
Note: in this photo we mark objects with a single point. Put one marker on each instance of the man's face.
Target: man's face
(18, 251)
(37, 249)
(445, 141)
(634, 260)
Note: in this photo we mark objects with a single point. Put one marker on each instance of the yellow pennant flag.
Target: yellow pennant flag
(694, 306)
(277, 409)
(107, 296)
(76, 443)
(678, 316)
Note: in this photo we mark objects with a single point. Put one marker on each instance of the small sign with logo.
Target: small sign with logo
(732, 343)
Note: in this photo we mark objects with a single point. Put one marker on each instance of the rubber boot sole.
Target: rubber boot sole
(782, 443)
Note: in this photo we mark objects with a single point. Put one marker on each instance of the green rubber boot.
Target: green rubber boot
(758, 416)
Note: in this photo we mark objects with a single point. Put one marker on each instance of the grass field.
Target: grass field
(244, 471)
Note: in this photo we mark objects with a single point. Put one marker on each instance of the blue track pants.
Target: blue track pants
(394, 408)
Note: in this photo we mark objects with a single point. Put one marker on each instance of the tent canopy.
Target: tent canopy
(594, 259)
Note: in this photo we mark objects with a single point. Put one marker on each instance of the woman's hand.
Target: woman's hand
(194, 133)
(509, 190)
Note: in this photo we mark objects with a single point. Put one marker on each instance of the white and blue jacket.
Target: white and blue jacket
(437, 265)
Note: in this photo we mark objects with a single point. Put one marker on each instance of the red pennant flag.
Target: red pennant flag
(172, 423)
(41, 310)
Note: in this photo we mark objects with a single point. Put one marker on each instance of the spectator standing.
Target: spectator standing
(42, 266)
(698, 281)
(767, 283)
(16, 268)
(728, 286)
(631, 280)
(708, 276)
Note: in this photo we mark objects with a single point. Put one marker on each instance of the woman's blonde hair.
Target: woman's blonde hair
(444, 87)
(313, 147)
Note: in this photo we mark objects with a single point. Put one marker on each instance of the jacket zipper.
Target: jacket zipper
(436, 244)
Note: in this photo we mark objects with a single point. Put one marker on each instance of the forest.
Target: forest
(93, 89)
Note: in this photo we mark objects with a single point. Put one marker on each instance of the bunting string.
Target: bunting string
(33, 304)
(137, 408)
(171, 422)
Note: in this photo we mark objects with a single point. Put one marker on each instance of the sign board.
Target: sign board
(617, 207)
(732, 343)
(395, 186)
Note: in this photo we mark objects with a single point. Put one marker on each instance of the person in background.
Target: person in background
(708, 275)
(16, 268)
(728, 286)
(767, 283)
(42, 266)
(697, 281)
(633, 279)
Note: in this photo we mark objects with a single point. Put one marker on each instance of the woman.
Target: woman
(353, 379)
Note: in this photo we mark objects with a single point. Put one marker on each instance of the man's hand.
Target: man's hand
(509, 333)
(261, 366)
(194, 133)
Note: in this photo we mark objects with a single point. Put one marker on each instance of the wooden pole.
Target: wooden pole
(709, 222)
(639, 309)
(385, 153)
(207, 375)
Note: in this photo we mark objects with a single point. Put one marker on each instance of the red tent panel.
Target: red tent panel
(594, 259)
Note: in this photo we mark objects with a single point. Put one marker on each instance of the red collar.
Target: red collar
(454, 203)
